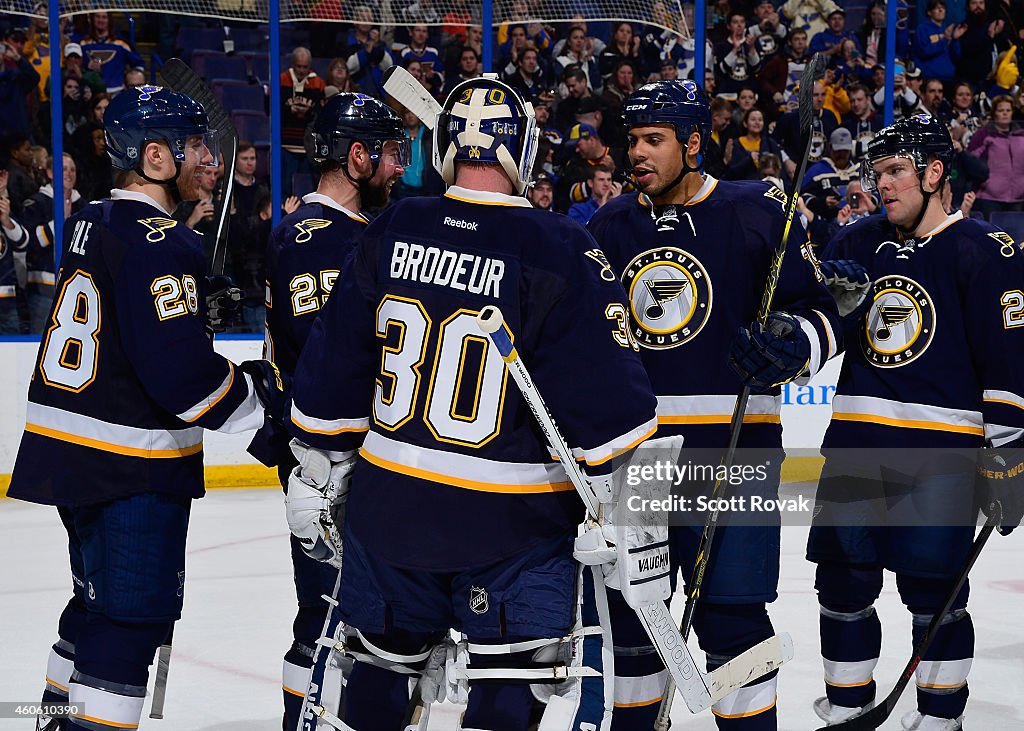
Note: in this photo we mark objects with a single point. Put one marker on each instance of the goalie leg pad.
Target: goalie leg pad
(724, 631)
(640, 676)
(942, 673)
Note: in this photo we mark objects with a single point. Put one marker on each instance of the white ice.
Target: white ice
(225, 671)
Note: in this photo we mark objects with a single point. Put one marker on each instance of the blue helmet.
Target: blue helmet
(682, 104)
(486, 120)
(147, 113)
(348, 118)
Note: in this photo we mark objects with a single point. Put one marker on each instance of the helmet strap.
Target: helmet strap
(171, 183)
(927, 195)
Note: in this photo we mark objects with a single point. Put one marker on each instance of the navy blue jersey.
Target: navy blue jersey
(8, 278)
(304, 257)
(694, 274)
(454, 471)
(37, 218)
(126, 378)
(936, 359)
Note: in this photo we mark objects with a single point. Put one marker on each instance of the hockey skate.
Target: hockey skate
(833, 715)
(916, 721)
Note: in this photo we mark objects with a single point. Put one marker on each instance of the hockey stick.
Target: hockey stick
(814, 69)
(313, 708)
(163, 667)
(180, 78)
(877, 715)
(698, 689)
(404, 87)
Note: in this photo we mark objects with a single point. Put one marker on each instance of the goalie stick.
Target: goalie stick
(179, 77)
(699, 690)
(312, 703)
(404, 87)
(876, 716)
(163, 667)
(814, 70)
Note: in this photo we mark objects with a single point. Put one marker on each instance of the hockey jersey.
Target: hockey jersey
(694, 274)
(454, 472)
(304, 257)
(126, 378)
(935, 361)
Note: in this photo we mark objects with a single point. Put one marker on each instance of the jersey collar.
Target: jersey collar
(710, 181)
(331, 203)
(950, 220)
(486, 197)
(120, 194)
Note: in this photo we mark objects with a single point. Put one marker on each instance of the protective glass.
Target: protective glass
(399, 152)
(869, 176)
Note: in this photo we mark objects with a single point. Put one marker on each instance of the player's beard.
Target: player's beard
(188, 182)
(374, 193)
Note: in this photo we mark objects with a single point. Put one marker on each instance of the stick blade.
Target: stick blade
(179, 77)
(814, 70)
(404, 87)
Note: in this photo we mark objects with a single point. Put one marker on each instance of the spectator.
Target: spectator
(74, 107)
(577, 89)
(830, 40)
(134, 78)
(468, 68)
(862, 122)
(619, 86)
(625, 46)
(21, 183)
(934, 101)
(746, 99)
(526, 75)
(542, 112)
(787, 131)
(978, 48)
(1001, 146)
(859, 202)
(782, 72)
(965, 119)
(602, 190)
(835, 170)
(587, 151)
(751, 147)
(808, 15)
(419, 177)
(1005, 75)
(430, 60)
(95, 173)
(718, 153)
(906, 101)
(737, 57)
(368, 58)
(339, 77)
(668, 70)
(454, 23)
(541, 191)
(107, 54)
(302, 93)
(936, 45)
(968, 174)
(577, 54)
(246, 236)
(37, 217)
(201, 215)
(13, 237)
(17, 81)
(98, 106)
(771, 170)
(849, 64)
(769, 32)
(73, 69)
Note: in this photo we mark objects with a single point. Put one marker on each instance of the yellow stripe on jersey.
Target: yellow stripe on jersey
(908, 423)
(115, 448)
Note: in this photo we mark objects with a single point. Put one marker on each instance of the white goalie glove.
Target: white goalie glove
(632, 543)
(315, 503)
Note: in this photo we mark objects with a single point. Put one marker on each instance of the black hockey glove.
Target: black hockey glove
(1001, 477)
(223, 302)
(848, 282)
(771, 354)
(272, 387)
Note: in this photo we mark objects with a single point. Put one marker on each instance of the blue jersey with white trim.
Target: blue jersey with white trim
(454, 471)
(126, 378)
(694, 274)
(935, 359)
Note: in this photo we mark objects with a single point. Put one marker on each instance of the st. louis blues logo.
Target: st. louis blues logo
(307, 226)
(669, 297)
(157, 226)
(900, 323)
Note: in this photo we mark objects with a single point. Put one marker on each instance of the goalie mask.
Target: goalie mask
(349, 118)
(486, 120)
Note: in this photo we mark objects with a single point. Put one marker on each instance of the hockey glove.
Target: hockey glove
(315, 502)
(271, 385)
(223, 302)
(848, 283)
(1001, 477)
(769, 355)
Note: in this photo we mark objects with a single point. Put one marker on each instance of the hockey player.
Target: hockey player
(125, 382)
(456, 516)
(359, 146)
(932, 361)
(694, 255)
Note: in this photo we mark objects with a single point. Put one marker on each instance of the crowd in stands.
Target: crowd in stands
(956, 60)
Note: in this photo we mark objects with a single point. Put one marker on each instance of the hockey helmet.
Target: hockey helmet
(918, 138)
(348, 118)
(486, 120)
(149, 113)
(682, 104)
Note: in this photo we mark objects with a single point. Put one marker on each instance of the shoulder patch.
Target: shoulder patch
(777, 195)
(157, 226)
(307, 226)
(606, 268)
(1007, 246)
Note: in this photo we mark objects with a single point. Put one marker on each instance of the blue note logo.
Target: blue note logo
(670, 297)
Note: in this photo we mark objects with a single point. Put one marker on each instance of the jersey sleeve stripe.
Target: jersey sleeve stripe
(86, 431)
(615, 447)
(248, 415)
(459, 470)
(196, 412)
(313, 425)
(1003, 397)
(829, 335)
(869, 409)
(815, 340)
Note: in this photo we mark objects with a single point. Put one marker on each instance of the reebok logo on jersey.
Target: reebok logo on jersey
(459, 223)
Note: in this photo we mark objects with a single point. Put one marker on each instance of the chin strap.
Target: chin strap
(910, 232)
(171, 183)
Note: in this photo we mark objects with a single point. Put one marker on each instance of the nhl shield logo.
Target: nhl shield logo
(478, 600)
